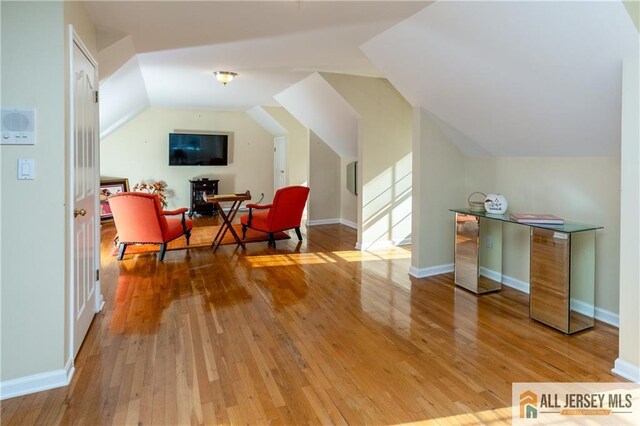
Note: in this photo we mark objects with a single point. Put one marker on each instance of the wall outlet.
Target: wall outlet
(490, 242)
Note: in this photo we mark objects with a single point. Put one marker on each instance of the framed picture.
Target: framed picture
(109, 187)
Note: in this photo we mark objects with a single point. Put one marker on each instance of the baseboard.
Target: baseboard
(627, 370)
(404, 242)
(600, 314)
(332, 222)
(37, 382)
(608, 317)
(430, 271)
(323, 222)
(349, 223)
(381, 244)
(582, 307)
(515, 284)
(492, 275)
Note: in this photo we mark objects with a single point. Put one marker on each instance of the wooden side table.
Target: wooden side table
(236, 200)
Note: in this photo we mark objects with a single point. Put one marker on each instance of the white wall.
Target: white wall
(33, 211)
(34, 317)
(75, 14)
(438, 185)
(628, 362)
(324, 182)
(384, 158)
(297, 145)
(139, 150)
(585, 190)
(348, 201)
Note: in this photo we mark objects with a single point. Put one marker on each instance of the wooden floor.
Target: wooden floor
(312, 332)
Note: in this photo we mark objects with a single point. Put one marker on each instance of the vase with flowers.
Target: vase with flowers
(158, 188)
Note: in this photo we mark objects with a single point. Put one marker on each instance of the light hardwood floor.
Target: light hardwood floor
(308, 333)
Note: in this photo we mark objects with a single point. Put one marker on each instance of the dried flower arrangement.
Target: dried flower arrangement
(159, 188)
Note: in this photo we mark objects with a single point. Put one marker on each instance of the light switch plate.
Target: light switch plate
(26, 168)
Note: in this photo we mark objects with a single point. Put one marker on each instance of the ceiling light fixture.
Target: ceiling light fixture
(225, 77)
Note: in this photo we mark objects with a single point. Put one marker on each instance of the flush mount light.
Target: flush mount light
(225, 77)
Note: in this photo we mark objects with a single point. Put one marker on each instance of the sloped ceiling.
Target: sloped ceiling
(122, 96)
(515, 78)
(319, 107)
(270, 44)
(264, 119)
(123, 93)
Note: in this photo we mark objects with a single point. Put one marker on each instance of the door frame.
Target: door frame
(74, 39)
(280, 141)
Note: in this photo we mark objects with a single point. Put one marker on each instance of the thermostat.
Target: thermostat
(17, 126)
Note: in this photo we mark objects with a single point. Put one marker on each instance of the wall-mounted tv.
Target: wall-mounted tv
(198, 150)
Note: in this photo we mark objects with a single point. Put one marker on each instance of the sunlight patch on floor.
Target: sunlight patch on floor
(321, 258)
(500, 416)
(287, 259)
(361, 256)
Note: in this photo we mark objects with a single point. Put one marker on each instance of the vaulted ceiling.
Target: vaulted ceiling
(515, 78)
(503, 78)
(271, 45)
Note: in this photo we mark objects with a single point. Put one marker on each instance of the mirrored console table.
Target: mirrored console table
(561, 269)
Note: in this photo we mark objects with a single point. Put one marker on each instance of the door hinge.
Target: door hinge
(97, 274)
(96, 97)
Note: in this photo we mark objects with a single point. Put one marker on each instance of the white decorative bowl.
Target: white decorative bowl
(495, 204)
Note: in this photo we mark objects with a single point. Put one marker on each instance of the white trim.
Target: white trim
(516, 284)
(600, 314)
(336, 221)
(281, 141)
(627, 370)
(608, 317)
(430, 271)
(323, 222)
(37, 382)
(382, 244)
(348, 223)
(582, 307)
(99, 299)
(404, 242)
(491, 274)
(74, 40)
(70, 195)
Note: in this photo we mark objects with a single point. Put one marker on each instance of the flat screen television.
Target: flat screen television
(198, 150)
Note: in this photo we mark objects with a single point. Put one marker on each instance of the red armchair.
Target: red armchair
(139, 219)
(285, 212)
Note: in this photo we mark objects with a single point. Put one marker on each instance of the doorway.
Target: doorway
(279, 162)
(85, 296)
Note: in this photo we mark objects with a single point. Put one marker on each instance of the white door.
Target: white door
(279, 162)
(84, 184)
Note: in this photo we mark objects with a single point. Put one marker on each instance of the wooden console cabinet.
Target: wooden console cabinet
(200, 188)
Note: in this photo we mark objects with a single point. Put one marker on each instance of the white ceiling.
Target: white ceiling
(515, 78)
(319, 107)
(271, 45)
(264, 119)
(501, 78)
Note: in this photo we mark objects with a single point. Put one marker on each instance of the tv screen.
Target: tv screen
(198, 150)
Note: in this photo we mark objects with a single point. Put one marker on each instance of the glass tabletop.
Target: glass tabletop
(568, 227)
